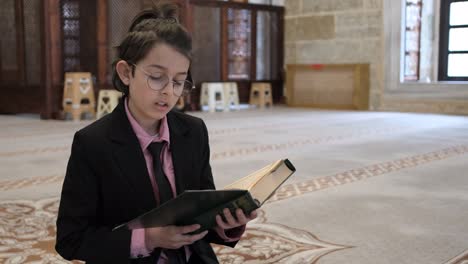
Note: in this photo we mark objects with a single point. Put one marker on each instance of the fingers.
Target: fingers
(187, 229)
(174, 237)
(253, 215)
(231, 221)
(220, 222)
(190, 239)
(241, 218)
(180, 238)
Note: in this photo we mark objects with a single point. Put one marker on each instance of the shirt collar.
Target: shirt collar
(143, 137)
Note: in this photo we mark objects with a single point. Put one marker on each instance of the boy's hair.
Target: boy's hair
(159, 24)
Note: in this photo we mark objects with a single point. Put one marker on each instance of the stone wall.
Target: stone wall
(335, 32)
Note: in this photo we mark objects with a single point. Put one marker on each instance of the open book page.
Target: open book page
(264, 182)
(247, 182)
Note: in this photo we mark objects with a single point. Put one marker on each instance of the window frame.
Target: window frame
(444, 42)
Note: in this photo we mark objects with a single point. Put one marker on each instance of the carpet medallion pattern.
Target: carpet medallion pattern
(28, 232)
(28, 235)
(265, 242)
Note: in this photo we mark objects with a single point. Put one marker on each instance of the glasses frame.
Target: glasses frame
(184, 91)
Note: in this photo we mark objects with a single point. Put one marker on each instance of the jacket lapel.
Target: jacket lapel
(130, 160)
(181, 152)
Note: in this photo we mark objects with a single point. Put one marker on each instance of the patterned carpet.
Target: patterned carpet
(370, 187)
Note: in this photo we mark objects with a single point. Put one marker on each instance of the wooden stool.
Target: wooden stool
(107, 101)
(260, 95)
(212, 94)
(204, 95)
(231, 95)
(78, 95)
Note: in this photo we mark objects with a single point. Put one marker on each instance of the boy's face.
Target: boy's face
(150, 105)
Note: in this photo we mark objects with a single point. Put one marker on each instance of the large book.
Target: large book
(202, 206)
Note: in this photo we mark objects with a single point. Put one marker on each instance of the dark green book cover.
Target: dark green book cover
(202, 206)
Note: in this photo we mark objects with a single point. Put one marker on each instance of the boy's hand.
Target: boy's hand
(171, 237)
(232, 222)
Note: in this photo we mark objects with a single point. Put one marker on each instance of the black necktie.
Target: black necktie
(164, 187)
(176, 256)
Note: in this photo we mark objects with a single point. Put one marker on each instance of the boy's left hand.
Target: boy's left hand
(240, 218)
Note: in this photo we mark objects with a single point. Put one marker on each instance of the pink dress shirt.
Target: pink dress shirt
(138, 247)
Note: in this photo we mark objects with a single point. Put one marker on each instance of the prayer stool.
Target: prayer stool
(212, 94)
(78, 95)
(107, 101)
(260, 94)
(204, 94)
(231, 97)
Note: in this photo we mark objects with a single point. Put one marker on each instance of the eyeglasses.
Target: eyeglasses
(159, 81)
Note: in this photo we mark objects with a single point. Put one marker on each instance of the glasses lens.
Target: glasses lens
(157, 82)
(187, 87)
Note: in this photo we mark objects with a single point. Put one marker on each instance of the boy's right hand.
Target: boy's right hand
(172, 237)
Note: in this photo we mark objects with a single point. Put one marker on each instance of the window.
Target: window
(453, 53)
(412, 39)
(79, 35)
(239, 43)
(71, 35)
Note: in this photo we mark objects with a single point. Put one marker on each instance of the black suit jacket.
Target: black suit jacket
(107, 184)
